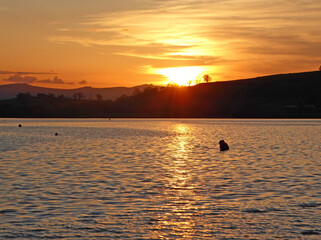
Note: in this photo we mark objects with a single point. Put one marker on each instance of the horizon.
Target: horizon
(104, 44)
(78, 87)
(146, 84)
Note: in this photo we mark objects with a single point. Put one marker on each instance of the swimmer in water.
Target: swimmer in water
(223, 145)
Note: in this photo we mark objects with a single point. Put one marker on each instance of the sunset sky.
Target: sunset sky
(108, 43)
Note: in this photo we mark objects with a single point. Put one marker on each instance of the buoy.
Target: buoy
(223, 145)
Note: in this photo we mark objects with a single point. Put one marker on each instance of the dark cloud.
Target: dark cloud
(25, 73)
(21, 79)
(56, 80)
(17, 78)
(83, 82)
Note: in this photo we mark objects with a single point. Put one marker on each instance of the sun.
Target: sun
(182, 76)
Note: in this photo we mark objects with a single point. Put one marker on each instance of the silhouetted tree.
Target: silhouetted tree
(41, 95)
(24, 95)
(197, 80)
(136, 92)
(173, 85)
(122, 98)
(78, 96)
(61, 97)
(207, 78)
(150, 90)
(99, 97)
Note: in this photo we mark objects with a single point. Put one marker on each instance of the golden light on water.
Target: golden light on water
(180, 219)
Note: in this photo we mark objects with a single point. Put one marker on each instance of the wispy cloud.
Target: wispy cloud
(232, 33)
(26, 73)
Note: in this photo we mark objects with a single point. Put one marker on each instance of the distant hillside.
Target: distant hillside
(11, 90)
(282, 95)
(296, 95)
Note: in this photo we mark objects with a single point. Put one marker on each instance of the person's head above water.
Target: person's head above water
(223, 145)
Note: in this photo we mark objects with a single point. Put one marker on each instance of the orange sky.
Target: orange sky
(103, 43)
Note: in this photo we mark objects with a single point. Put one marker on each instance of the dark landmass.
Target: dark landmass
(296, 95)
(12, 90)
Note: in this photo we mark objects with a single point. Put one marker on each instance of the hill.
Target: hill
(296, 95)
(11, 90)
(283, 95)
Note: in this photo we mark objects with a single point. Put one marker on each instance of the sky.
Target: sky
(109, 43)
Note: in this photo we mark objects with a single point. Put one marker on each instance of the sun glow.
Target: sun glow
(182, 75)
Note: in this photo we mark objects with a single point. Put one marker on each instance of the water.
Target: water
(160, 179)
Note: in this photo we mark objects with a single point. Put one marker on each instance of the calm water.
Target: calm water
(160, 179)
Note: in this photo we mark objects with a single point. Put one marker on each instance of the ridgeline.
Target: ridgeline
(295, 95)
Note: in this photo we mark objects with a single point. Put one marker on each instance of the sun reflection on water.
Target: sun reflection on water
(180, 201)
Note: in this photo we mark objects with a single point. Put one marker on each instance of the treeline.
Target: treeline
(51, 106)
(280, 96)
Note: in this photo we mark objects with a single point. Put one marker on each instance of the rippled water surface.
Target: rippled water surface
(160, 179)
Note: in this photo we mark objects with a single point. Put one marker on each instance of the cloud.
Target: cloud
(21, 79)
(26, 73)
(17, 78)
(238, 35)
(82, 82)
(86, 42)
(191, 24)
(55, 80)
(187, 58)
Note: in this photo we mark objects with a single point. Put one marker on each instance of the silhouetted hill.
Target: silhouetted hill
(283, 95)
(11, 90)
(296, 95)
